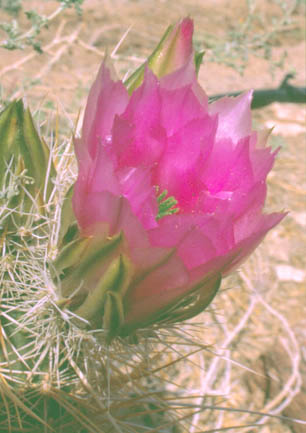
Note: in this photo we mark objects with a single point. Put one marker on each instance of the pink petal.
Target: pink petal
(235, 120)
(106, 99)
(248, 244)
(262, 158)
(179, 107)
(234, 169)
(217, 166)
(137, 187)
(179, 169)
(241, 173)
(141, 123)
(195, 248)
(242, 201)
(232, 258)
(197, 237)
(102, 176)
(106, 208)
(252, 222)
(186, 76)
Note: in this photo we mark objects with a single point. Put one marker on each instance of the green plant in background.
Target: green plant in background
(250, 37)
(16, 37)
(11, 6)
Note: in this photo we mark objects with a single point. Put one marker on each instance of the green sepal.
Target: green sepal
(113, 315)
(205, 297)
(68, 224)
(158, 66)
(97, 253)
(81, 259)
(198, 59)
(185, 307)
(69, 256)
(136, 78)
(105, 302)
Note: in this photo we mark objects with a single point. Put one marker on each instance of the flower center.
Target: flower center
(166, 205)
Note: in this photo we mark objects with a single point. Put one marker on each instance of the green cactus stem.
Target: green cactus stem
(26, 168)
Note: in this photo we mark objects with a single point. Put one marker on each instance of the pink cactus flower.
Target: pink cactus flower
(166, 137)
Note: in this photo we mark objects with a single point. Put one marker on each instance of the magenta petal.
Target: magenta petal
(179, 169)
(197, 237)
(235, 120)
(122, 138)
(106, 99)
(186, 76)
(144, 105)
(136, 186)
(179, 107)
(141, 122)
(234, 168)
(216, 170)
(241, 173)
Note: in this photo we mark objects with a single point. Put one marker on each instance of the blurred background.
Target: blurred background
(256, 329)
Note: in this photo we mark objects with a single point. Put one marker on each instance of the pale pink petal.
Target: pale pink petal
(103, 179)
(262, 158)
(179, 107)
(253, 221)
(247, 245)
(235, 120)
(186, 76)
(241, 173)
(242, 201)
(104, 207)
(106, 99)
(197, 237)
(235, 256)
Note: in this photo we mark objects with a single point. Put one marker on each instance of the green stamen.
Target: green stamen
(166, 206)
